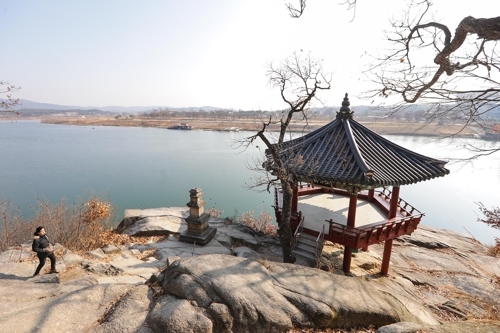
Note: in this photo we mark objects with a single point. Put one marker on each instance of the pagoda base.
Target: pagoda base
(201, 239)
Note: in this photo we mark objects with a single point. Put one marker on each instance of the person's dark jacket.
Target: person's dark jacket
(40, 244)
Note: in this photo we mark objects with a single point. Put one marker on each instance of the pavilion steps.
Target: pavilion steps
(307, 239)
(306, 247)
(305, 254)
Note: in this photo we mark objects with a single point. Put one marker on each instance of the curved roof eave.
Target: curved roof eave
(346, 152)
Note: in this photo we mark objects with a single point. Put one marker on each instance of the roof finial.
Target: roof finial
(345, 111)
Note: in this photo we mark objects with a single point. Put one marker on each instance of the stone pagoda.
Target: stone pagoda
(198, 231)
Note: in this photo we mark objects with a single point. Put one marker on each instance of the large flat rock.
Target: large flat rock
(31, 307)
(434, 261)
(172, 248)
(433, 238)
(134, 266)
(156, 221)
(275, 298)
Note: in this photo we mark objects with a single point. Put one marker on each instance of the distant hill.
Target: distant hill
(53, 112)
(30, 105)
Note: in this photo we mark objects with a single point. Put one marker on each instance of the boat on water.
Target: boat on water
(181, 126)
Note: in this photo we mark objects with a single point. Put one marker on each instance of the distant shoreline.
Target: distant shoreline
(382, 127)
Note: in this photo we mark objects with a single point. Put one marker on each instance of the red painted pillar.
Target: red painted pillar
(351, 214)
(371, 193)
(388, 243)
(351, 221)
(295, 198)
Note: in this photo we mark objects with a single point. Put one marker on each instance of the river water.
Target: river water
(149, 168)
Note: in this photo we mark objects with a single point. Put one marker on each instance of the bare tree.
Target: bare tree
(296, 10)
(299, 79)
(456, 75)
(7, 89)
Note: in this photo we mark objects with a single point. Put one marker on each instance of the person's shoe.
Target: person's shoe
(54, 271)
(36, 274)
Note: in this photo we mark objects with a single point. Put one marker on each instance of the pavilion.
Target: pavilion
(344, 159)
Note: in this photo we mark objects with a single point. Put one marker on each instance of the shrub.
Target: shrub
(262, 223)
(214, 212)
(492, 218)
(12, 227)
(79, 226)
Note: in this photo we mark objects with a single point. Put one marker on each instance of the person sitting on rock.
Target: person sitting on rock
(43, 249)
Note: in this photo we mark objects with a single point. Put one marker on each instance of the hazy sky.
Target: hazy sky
(190, 52)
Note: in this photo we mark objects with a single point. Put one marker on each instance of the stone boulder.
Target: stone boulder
(227, 293)
(111, 249)
(102, 268)
(154, 222)
(45, 278)
(245, 252)
(15, 254)
(72, 259)
(128, 314)
(97, 253)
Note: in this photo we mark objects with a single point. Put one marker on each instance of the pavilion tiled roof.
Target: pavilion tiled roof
(345, 153)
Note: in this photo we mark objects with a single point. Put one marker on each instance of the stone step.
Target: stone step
(307, 241)
(308, 237)
(304, 254)
(306, 247)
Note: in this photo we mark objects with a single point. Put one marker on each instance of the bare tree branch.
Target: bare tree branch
(456, 75)
(299, 79)
(7, 89)
(297, 11)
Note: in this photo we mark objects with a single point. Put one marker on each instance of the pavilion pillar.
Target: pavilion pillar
(388, 243)
(351, 221)
(371, 193)
(295, 198)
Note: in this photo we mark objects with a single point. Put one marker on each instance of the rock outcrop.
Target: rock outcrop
(259, 299)
(439, 281)
(154, 222)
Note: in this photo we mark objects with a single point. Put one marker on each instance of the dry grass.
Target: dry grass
(264, 262)
(262, 223)
(494, 250)
(79, 226)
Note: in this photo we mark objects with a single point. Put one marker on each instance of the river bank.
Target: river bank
(380, 126)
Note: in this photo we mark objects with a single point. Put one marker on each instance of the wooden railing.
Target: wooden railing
(404, 223)
(320, 241)
(359, 237)
(297, 232)
(404, 208)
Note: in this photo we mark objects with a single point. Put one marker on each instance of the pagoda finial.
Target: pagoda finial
(345, 111)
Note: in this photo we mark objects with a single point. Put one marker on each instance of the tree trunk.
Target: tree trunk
(284, 232)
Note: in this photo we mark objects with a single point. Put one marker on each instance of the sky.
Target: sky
(192, 53)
